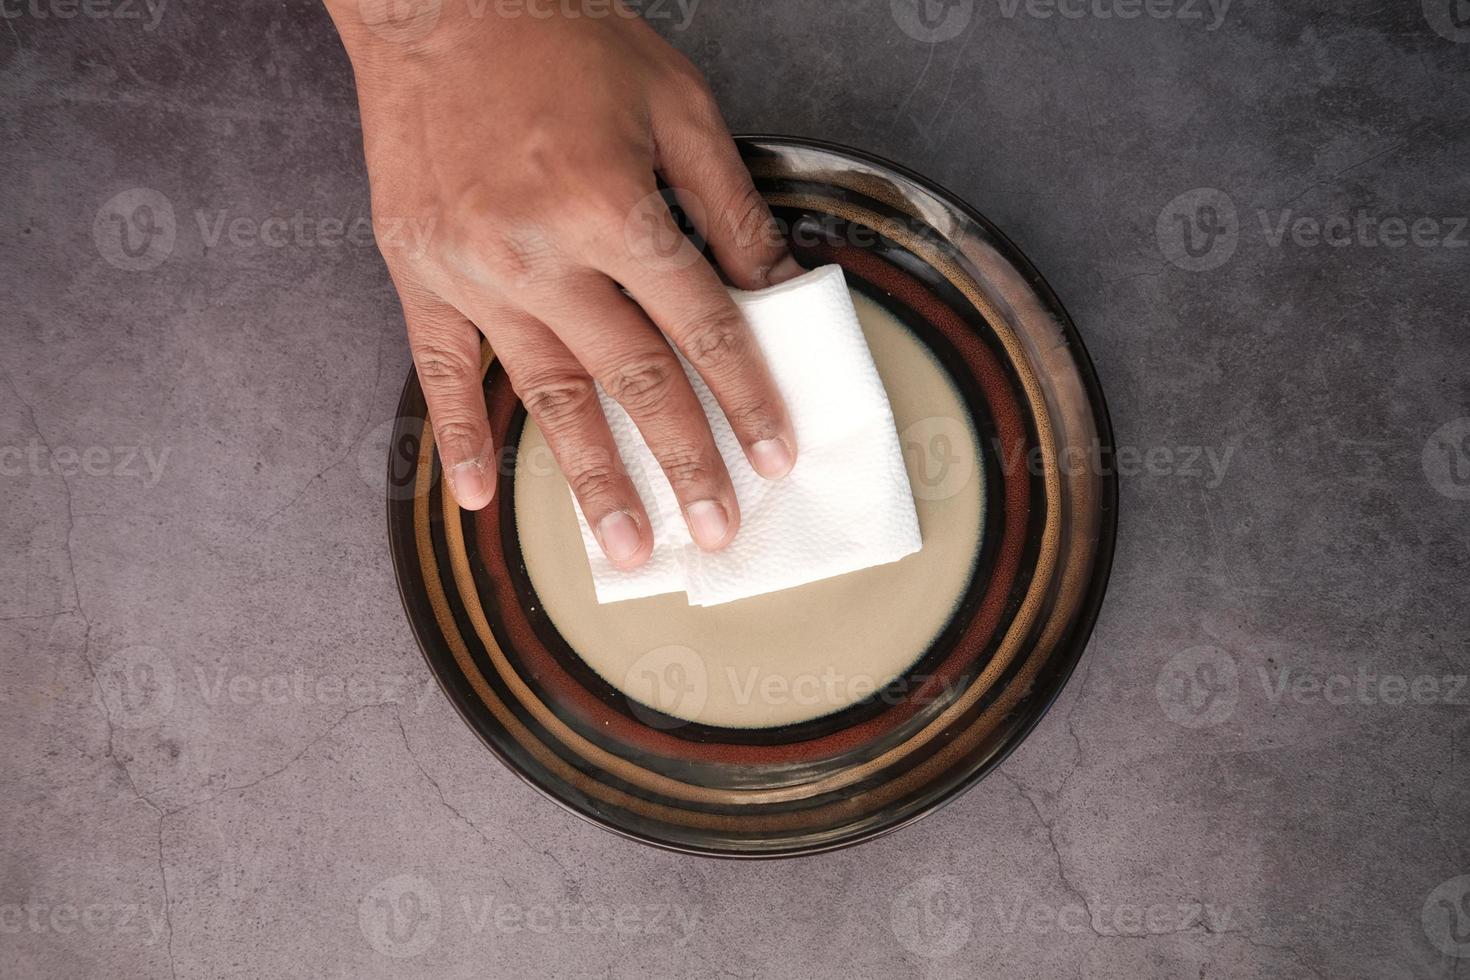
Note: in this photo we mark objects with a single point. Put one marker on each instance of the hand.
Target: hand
(529, 146)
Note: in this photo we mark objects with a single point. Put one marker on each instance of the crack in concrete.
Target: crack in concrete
(434, 782)
(100, 698)
(954, 68)
(1329, 181)
(1200, 922)
(86, 657)
(71, 520)
(349, 445)
(168, 915)
(41, 616)
(718, 968)
(1071, 728)
(330, 729)
(1057, 854)
(573, 887)
(918, 84)
(1296, 955)
(1130, 277)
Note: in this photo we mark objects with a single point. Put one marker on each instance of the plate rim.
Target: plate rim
(1069, 654)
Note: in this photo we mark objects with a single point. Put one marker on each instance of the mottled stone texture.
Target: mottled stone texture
(223, 756)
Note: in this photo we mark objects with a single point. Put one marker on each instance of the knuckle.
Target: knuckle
(644, 384)
(443, 366)
(755, 416)
(691, 100)
(748, 220)
(704, 107)
(593, 482)
(686, 469)
(716, 339)
(519, 257)
(689, 81)
(457, 436)
(599, 224)
(615, 207)
(554, 402)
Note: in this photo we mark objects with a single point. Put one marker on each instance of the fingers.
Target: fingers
(560, 396)
(694, 309)
(618, 346)
(699, 159)
(446, 353)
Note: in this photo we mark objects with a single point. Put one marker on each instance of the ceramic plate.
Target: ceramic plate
(983, 683)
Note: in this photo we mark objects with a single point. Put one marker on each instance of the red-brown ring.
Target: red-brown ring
(1010, 428)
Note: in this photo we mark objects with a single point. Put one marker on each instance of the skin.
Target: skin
(528, 146)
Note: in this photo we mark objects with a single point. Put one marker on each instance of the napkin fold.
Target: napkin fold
(845, 506)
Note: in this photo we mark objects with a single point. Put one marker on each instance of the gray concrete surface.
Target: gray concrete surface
(221, 749)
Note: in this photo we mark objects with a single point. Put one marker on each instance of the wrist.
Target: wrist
(382, 35)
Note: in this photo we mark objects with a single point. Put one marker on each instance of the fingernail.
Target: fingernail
(472, 486)
(785, 270)
(708, 523)
(618, 533)
(771, 458)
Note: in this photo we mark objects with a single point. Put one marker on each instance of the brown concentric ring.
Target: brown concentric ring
(615, 729)
(1068, 542)
(646, 779)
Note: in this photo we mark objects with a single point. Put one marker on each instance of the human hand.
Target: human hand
(530, 146)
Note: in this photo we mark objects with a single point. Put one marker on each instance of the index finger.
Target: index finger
(693, 309)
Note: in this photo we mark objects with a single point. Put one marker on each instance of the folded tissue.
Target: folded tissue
(845, 506)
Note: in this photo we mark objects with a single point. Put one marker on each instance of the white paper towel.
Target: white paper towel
(845, 506)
